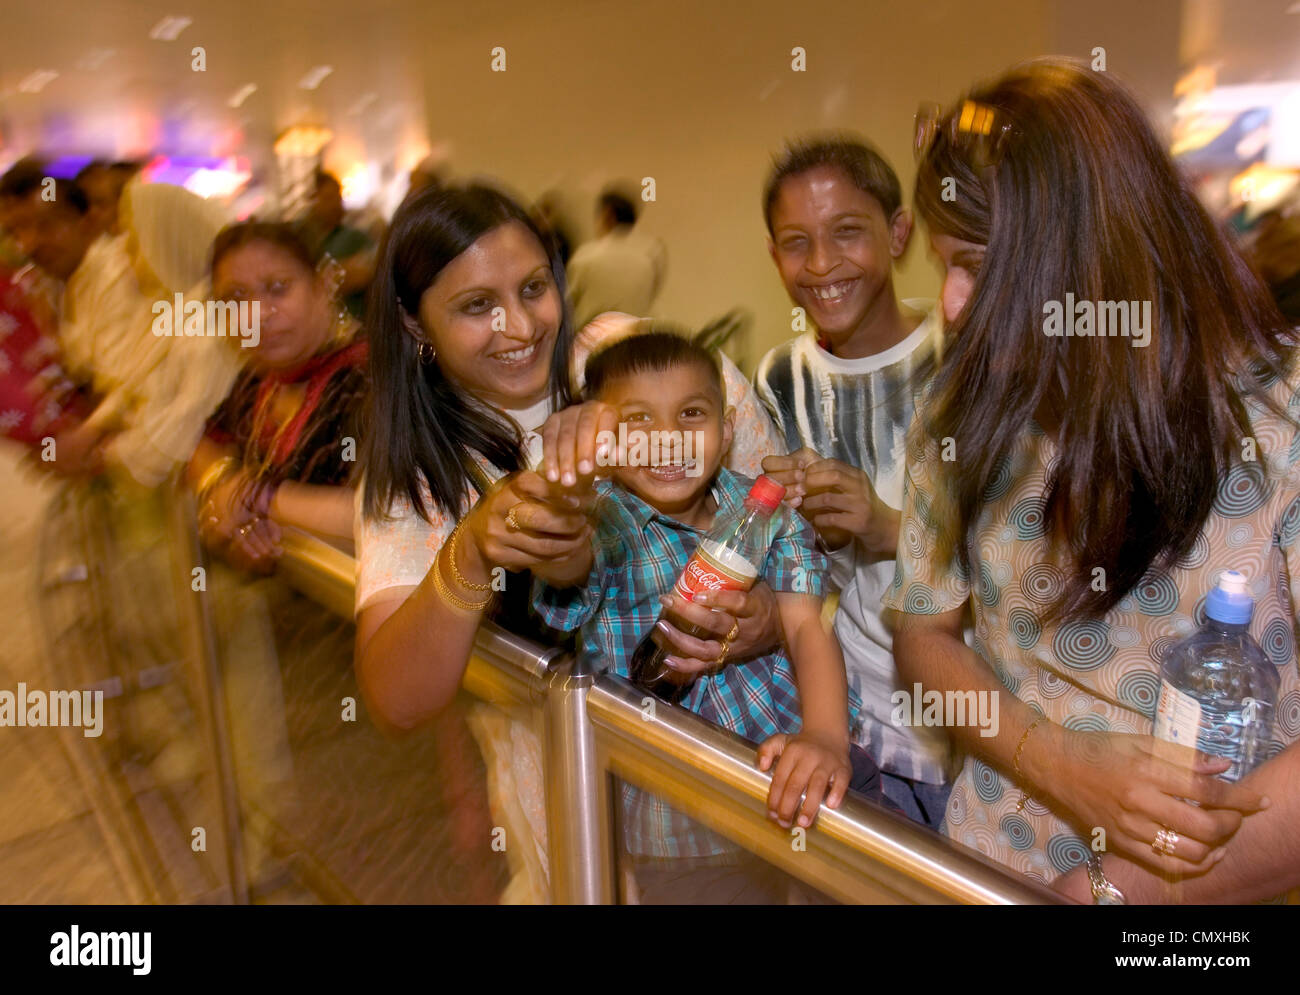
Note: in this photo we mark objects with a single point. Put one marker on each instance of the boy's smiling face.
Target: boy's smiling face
(835, 249)
(685, 399)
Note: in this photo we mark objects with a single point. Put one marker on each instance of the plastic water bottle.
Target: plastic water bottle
(1218, 689)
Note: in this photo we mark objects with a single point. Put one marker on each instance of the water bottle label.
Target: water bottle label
(1178, 716)
(713, 567)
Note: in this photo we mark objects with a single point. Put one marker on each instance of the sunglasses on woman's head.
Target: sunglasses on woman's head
(979, 130)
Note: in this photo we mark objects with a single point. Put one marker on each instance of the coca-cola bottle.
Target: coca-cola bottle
(727, 559)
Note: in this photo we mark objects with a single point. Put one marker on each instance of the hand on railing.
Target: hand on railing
(808, 770)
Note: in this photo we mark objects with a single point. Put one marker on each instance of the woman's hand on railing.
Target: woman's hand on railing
(521, 525)
(226, 510)
(255, 546)
(809, 768)
(754, 614)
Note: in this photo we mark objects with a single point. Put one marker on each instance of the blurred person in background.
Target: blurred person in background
(549, 216)
(278, 454)
(325, 233)
(18, 182)
(168, 231)
(36, 400)
(103, 186)
(429, 172)
(1276, 253)
(102, 312)
(280, 451)
(1092, 490)
(622, 269)
(152, 394)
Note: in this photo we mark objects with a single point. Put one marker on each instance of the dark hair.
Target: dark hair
(856, 158)
(422, 428)
(27, 176)
(657, 350)
(1083, 198)
(277, 234)
(69, 196)
(326, 179)
(92, 167)
(22, 178)
(622, 207)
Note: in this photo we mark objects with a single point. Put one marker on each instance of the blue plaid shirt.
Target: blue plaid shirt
(639, 554)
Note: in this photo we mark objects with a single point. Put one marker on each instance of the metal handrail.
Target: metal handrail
(599, 726)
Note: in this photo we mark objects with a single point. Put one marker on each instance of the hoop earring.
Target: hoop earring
(427, 358)
(341, 332)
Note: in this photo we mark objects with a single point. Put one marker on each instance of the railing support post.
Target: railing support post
(579, 827)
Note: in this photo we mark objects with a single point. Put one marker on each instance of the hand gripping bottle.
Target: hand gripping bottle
(727, 559)
(1217, 687)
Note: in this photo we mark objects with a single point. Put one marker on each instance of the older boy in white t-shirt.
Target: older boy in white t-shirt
(843, 394)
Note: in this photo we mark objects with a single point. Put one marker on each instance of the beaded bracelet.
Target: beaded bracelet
(1015, 760)
(457, 576)
(445, 592)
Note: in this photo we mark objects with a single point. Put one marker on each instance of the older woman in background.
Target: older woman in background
(281, 450)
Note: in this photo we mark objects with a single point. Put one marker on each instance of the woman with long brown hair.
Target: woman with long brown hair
(1083, 484)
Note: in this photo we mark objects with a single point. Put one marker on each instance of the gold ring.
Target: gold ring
(722, 657)
(512, 523)
(1166, 842)
(735, 631)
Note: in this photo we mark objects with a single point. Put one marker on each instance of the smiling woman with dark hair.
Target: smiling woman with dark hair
(473, 356)
(472, 350)
(1083, 493)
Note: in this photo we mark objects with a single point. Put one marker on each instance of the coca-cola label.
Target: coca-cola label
(705, 572)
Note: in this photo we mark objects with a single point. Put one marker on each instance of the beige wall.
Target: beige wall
(698, 95)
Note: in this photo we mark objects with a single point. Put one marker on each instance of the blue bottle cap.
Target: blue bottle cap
(1230, 601)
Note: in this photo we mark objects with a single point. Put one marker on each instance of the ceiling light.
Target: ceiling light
(37, 81)
(360, 106)
(242, 94)
(169, 28)
(314, 78)
(95, 58)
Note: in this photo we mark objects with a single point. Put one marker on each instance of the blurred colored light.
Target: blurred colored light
(302, 140)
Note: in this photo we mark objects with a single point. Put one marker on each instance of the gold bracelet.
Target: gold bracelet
(213, 475)
(1015, 760)
(456, 575)
(445, 592)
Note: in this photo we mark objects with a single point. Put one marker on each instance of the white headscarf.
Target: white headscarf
(169, 235)
(171, 231)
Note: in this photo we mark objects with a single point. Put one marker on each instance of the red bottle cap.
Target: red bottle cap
(767, 492)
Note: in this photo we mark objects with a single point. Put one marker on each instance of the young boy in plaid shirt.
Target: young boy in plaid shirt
(649, 520)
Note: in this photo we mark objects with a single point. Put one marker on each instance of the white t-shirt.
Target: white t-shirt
(620, 271)
(858, 411)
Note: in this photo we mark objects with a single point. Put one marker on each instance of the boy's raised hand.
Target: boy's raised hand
(570, 442)
(837, 499)
(789, 472)
(840, 503)
(809, 768)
